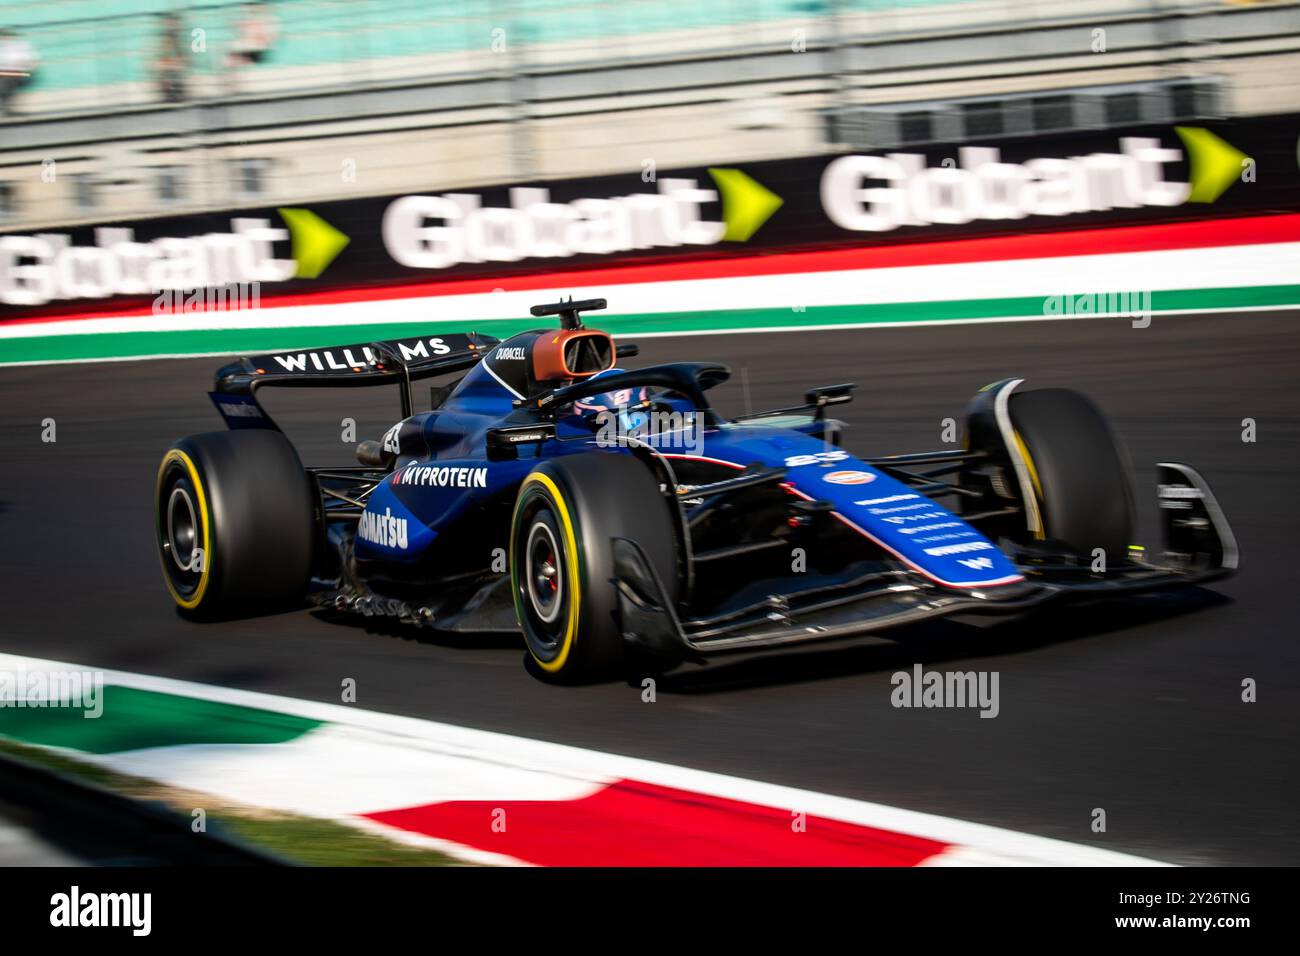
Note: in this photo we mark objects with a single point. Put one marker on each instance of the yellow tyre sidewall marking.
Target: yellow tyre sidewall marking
(571, 562)
(193, 600)
(1041, 533)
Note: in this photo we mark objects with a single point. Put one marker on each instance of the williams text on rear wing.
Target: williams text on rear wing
(395, 361)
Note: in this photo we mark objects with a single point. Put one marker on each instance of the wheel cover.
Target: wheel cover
(548, 621)
(183, 529)
(544, 572)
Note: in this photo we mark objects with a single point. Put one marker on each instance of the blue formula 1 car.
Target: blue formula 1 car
(612, 515)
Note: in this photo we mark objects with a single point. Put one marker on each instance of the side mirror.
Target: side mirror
(819, 398)
(830, 395)
(503, 443)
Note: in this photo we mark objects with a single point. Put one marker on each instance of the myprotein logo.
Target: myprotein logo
(880, 193)
(436, 476)
(437, 232)
(47, 266)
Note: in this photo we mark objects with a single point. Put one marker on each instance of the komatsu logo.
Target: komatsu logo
(981, 186)
(436, 232)
(47, 266)
(383, 529)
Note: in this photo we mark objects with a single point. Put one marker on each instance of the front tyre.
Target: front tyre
(1078, 468)
(566, 515)
(235, 525)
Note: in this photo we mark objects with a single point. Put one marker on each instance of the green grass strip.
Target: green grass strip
(135, 719)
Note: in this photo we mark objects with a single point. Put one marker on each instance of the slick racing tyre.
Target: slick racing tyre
(1078, 469)
(562, 562)
(234, 518)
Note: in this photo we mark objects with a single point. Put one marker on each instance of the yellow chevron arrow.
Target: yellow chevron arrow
(1216, 165)
(746, 204)
(315, 241)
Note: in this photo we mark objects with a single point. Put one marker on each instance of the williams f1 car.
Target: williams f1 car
(611, 515)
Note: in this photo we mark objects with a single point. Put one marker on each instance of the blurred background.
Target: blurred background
(161, 107)
(151, 145)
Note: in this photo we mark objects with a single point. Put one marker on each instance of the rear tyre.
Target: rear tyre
(566, 514)
(1079, 471)
(235, 523)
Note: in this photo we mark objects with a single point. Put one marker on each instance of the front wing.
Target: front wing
(1199, 547)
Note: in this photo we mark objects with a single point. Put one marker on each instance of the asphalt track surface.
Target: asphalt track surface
(1134, 708)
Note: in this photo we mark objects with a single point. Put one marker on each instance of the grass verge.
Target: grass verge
(309, 841)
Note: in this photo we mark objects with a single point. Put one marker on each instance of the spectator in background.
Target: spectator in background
(254, 36)
(17, 64)
(171, 63)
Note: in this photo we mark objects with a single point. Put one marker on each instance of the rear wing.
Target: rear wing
(394, 361)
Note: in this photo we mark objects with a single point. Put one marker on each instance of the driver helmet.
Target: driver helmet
(617, 402)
